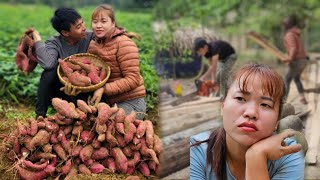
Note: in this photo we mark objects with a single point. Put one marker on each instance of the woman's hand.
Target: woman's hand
(70, 90)
(97, 95)
(273, 147)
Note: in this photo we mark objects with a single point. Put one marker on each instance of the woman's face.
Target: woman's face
(102, 25)
(249, 116)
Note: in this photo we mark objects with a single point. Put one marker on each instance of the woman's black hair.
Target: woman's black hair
(199, 43)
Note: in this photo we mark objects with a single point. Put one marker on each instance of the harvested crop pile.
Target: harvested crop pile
(84, 140)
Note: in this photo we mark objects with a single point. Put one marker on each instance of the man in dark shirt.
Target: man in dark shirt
(72, 39)
(221, 56)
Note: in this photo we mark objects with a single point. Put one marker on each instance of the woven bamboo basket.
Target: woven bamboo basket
(97, 61)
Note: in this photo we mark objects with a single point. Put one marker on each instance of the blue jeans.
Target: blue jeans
(138, 105)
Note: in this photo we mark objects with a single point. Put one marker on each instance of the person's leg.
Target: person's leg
(300, 66)
(138, 105)
(288, 78)
(46, 90)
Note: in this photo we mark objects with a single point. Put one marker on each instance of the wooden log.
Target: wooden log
(262, 42)
(184, 117)
(176, 152)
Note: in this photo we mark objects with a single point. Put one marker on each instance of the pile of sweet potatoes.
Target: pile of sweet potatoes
(83, 139)
(80, 71)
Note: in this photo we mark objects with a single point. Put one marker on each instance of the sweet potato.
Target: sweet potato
(78, 79)
(135, 147)
(33, 127)
(96, 144)
(96, 168)
(22, 128)
(144, 169)
(101, 128)
(73, 172)
(67, 167)
(145, 151)
(120, 116)
(47, 148)
(82, 115)
(60, 151)
(67, 129)
(152, 165)
(86, 152)
(141, 129)
(100, 153)
(31, 165)
(84, 169)
(76, 150)
(120, 128)
(120, 158)
(136, 158)
(127, 151)
(54, 138)
(87, 137)
(129, 132)
(83, 106)
(109, 135)
(157, 144)
(30, 175)
(41, 138)
(88, 162)
(77, 130)
(133, 178)
(103, 113)
(64, 108)
(149, 133)
(101, 137)
(51, 127)
(130, 170)
(41, 155)
(74, 67)
(136, 140)
(120, 140)
(110, 164)
(64, 66)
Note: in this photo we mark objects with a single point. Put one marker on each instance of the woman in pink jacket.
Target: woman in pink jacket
(113, 44)
(297, 56)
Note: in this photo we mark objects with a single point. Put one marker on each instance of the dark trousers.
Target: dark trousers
(49, 87)
(295, 70)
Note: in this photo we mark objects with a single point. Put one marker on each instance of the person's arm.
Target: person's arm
(47, 53)
(128, 60)
(211, 72)
(270, 148)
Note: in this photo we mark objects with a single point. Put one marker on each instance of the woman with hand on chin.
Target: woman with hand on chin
(246, 147)
(113, 44)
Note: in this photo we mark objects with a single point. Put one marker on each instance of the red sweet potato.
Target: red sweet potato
(101, 128)
(83, 106)
(30, 175)
(135, 147)
(67, 167)
(144, 169)
(110, 164)
(120, 128)
(109, 135)
(31, 165)
(84, 169)
(100, 153)
(47, 148)
(86, 152)
(87, 137)
(77, 130)
(120, 116)
(101, 137)
(96, 144)
(136, 158)
(157, 144)
(64, 66)
(145, 151)
(120, 158)
(41, 138)
(67, 129)
(149, 133)
(22, 128)
(136, 140)
(127, 151)
(78, 79)
(74, 67)
(120, 140)
(33, 127)
(141, 129)
(82, 115)
(76, 150)
(41, 155)
(60, 151)
(51, 127)
(73, 172)
(64, 108)
(130, 170)
(152, 165)
(129, 132)
(96, 168)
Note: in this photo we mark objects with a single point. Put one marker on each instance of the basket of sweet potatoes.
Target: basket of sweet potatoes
(84, 71)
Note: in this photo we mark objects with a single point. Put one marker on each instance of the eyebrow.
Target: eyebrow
(262, 97)
(79, 24)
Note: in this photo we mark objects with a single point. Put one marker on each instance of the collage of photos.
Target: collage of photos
(159, 89)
